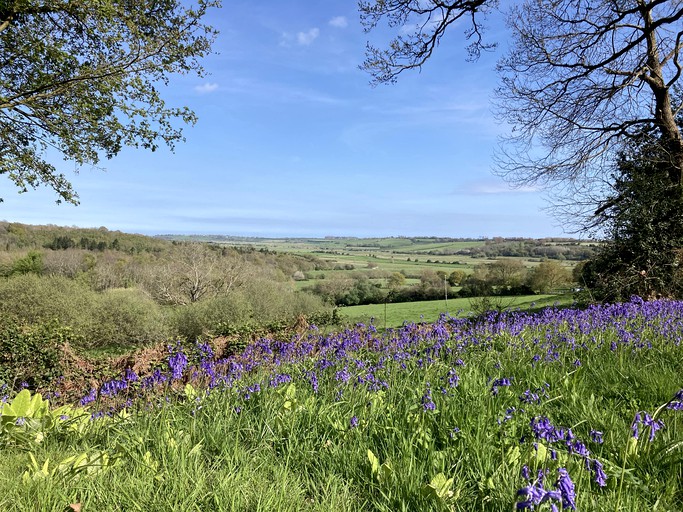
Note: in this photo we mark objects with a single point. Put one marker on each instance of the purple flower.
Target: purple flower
(131, 376)
(525, 472)
(599, 473)
(112, 387)
(427, 402)
(343, 375)
(529, 398)
(89, 398)
(566, 488)
(354, 422)
(596, 436)
(506, 381)
(644, 419)
(453, 378)
(313, 379)
(280, 378)
(177, 362)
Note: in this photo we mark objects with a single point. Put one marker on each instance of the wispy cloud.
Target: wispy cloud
(206, 88)
(306, 38)
(278, 92)
(339, 22)
(493, 187)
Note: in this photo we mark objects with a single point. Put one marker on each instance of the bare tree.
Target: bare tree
(196, 271)
(580, 80)
(422, 24)
(583, 79)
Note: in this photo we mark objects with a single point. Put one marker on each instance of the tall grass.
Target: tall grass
(509, 411)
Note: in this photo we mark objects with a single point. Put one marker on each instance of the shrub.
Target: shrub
(33, 299)
(126, 316)
(119, 317)
(211, 316)
(32, 355)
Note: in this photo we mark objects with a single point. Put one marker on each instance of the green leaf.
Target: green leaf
(439, 487)
(21, 403)
(190, 392)
(374, 462)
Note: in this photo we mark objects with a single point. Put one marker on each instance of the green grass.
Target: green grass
(294, 447)
(429, 311)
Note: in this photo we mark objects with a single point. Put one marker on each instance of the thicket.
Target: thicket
(139, 290)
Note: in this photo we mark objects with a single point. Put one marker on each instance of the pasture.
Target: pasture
(395, 315)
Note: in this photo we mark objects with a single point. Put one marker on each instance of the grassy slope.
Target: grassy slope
(429, 311)
(298, 447)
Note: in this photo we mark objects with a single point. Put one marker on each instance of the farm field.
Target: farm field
(430, 310)
(377, 259)
(560, 409)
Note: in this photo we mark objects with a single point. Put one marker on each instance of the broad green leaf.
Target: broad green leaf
(22, 403)
(190, 392)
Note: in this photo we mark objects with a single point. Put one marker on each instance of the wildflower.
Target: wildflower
(89, 398)
(566, 488)
(354, 422)
(280, 378)
(499, 383)
(343, 375)
(596, 436)
(525, 472)
(599, 473)
(177, 363)
(313, 379)
(453, 378)
(578, 447)
(427, 402)
(644, 419)
(528, 397)
(131, 376)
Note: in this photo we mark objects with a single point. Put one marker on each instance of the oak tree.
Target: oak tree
(84, 77)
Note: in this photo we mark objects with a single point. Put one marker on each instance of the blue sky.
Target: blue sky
(293, 141)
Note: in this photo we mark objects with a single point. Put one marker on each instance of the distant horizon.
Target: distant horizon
(299, 236)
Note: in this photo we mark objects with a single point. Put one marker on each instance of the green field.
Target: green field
(394, 315)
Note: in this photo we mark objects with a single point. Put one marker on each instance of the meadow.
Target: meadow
(395, 315)
(562, 409)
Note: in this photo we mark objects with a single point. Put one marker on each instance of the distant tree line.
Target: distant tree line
(523, 248)
(502, 277)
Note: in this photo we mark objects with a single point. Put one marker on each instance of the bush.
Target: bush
(32, 355)
(125, 316)
(33, 299)
(119, 317)
(211, 316)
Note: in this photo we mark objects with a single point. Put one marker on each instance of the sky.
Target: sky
(293, 141)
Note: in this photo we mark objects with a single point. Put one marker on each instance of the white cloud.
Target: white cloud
(339, 22)
(490, 187)
(306, 38)
(206, 88)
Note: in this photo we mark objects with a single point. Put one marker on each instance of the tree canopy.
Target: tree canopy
(83, 78)
(579, 82)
